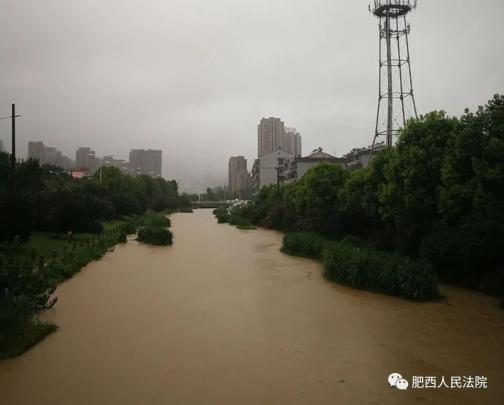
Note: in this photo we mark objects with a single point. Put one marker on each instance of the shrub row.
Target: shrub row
(233, 217)
(222, 215)
(27, 286)
(306, 244)
(153, 229)
(155, 235)
(240, 222)
(362, 267)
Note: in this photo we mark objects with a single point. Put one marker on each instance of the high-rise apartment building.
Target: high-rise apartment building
(148, 162)
(238, 174)
(1, 146)
(293, 141)
(270, 135)
(48, 155)
(85, 158)
(36, 151)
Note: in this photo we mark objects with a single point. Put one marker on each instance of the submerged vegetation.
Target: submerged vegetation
(222, 215)
(28, 283)
(233, 217)
(53, 225)
(153, 229)
(155, 235)
(304, 244)
(433, 203)
(354, 263)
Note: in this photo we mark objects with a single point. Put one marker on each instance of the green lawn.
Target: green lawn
(45, 243)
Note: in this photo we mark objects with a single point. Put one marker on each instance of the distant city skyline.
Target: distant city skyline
(142, 161)
(144, 75)
(37, 150)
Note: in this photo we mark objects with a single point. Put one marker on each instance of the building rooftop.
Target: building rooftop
(317, 155)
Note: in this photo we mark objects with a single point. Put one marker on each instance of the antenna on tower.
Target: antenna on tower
(396, 102)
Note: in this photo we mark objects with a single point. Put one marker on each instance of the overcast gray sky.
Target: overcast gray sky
(194, 77)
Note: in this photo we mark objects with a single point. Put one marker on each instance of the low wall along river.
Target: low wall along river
(223, 317)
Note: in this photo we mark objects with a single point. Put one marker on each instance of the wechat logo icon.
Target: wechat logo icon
(396, 380)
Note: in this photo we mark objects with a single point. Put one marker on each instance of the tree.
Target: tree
(17, 218)
(467, 243)
(315, 198)
(410, 194)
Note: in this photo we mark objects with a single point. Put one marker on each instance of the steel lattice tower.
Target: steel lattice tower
(396, 103)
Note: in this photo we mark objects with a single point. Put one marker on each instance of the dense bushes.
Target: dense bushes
(378, 271)
(438, 196)
(307, 244)
(155, 235)
(28, 283)
(155, 219)
(17, 218)
(46, 199)
(58, 203)
(233, 216)
(222, 215)
(352, 262)
(239, 221)
(154, 229)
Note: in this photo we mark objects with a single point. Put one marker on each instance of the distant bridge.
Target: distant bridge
(211, 204)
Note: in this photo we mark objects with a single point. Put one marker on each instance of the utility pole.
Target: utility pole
(13, 117)
(13, 155)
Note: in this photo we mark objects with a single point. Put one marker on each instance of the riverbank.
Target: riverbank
(40, 265)
(47, 260)
(223, 317)
(354, 263)
(226, 216)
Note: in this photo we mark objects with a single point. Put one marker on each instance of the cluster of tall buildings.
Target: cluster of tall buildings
(141, 161)
(48, 155)
(279, 158)
(272, 135)
(273, 138)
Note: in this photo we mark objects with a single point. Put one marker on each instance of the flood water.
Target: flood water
(223, 317)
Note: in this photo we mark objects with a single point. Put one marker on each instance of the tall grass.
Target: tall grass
(383, 272)
(306, 244)
(353, 263)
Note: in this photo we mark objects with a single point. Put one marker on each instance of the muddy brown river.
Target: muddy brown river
(222, 317)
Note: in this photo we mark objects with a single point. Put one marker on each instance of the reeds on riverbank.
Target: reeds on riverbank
(360, 266)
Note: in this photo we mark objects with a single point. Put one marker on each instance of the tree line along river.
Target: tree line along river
(223, 317)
